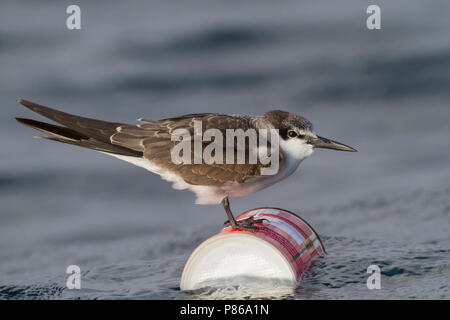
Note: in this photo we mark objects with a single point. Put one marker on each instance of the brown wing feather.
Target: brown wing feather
(69, 136)
(79, 131)
(97, 129)
(153, 138)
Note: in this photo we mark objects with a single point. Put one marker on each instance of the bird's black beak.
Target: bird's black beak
(325, 143)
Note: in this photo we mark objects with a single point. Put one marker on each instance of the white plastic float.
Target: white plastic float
(280, 252)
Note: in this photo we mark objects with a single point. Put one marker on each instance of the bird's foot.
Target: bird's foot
(248, 224)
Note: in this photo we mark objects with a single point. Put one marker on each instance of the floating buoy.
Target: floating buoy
(281, 251)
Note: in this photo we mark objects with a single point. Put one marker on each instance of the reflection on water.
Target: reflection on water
(242, 288)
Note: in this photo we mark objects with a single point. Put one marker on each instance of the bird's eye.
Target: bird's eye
(292, 134)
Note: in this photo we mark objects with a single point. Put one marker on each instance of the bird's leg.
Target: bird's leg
(226, 206)
(246, 224)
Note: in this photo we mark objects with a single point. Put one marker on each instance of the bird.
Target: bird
(149, 145)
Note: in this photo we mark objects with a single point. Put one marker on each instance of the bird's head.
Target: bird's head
(297, 136)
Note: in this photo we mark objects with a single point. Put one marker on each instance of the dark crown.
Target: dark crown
(283, 120)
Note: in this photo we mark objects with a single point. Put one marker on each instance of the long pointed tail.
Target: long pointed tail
(79, 131)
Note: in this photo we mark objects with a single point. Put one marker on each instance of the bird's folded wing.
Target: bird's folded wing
(153, 138)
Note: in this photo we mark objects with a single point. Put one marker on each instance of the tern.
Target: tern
(149, 145)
